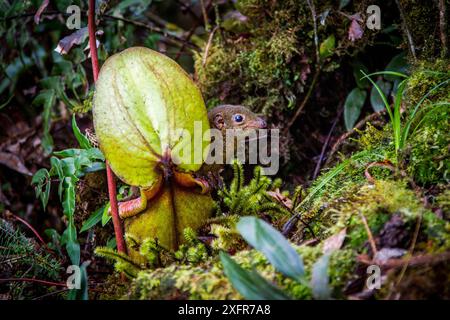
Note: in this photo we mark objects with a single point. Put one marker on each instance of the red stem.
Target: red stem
(110, 175)
(31, 228)
(48, 283)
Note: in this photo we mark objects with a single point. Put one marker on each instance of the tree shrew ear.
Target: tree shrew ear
(219, 121)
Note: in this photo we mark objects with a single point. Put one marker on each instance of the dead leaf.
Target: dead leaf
(355, 31)
(334, 242)
(14, 162)
(386, 254)
(66, 43)
(277, 195)
(37, 16)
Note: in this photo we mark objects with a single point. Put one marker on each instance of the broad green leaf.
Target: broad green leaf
(352, 107)
(249, 283)
(397, 64)
(265, 238)
(375, 99)
(320, 279)
(327, 47)
(94, 218)
(81, 138)
(142, 100)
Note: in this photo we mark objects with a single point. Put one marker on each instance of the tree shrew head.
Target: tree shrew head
(235, 117)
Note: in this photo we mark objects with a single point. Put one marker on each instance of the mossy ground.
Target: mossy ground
(401, 211)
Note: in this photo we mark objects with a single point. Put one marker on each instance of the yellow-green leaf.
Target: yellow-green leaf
(142, 99)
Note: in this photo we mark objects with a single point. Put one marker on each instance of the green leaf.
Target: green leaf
(46, 98)
(352, 107)
(81, 138)
(375, 99)
(133, 73)
(72, 245)
(265, 238)
(249, 283)
(41, 180)
(106, 216)
(327, 47)
(398, 64)
(112, 244)
(320, 279)
(69, 197)
(360, 82)
(95, 218)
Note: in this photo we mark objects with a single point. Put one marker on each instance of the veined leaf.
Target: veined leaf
(398, 64)
(352, 107)
(265, 238)
(141, 100)
(249, 283)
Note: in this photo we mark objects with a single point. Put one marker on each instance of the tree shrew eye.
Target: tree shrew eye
(238, 118)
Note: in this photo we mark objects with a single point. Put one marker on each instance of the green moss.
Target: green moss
(421, 20)
(209, 282)
(268, 61)
(429, 155)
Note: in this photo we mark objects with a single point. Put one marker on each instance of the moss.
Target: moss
(421, 20)
(424, 76)
(269, 61)
(209, 282)
(428, 153)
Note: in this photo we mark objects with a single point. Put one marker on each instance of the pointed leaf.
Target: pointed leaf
(249, 283)
(81, 138)
(265, 238)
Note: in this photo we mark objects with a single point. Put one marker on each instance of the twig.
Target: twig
(316, 74)
(358, 126)
(369, 234)
(382, 164)
(29, 226)
(411, 249)
(316, 37)
(110, 175)
(443, 27)
(327, 141)
(408, 34)
(413, 261)
(44, 282)
(303, 104)
(205, 15)
(208, 45)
